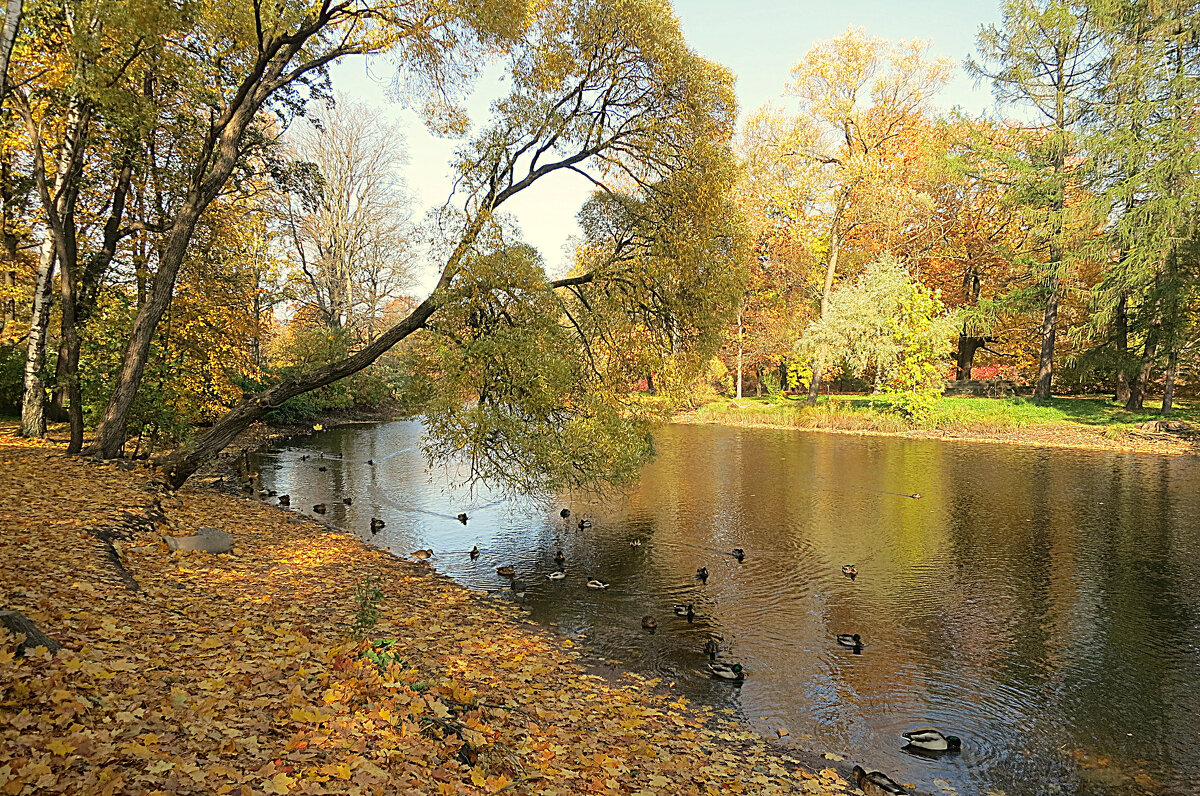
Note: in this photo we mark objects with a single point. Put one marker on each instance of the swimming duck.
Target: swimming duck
(421, 555)
(559, 558)
(649, 623)
(597, 584)
(347, 501)
(636, 543)
(727, 671)
(928, 739)
(850, 571)
(712, 648)
(585, 524)
(702, 574)
(474, 553)
(285, 500)
(876, 783)
(319, 508)
(564, 513)
(506, 571)
(851, 640)
(462, 518)
(739, 554)
(322, 469)
(685, 611)
(557, 575)
(370, 462)
(376, 525)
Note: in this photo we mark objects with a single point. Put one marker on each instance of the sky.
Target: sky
(758, 40)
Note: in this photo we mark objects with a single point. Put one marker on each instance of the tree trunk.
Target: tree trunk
(1049, 330)
(56, 409)
(968, 345)
(814, 386)
(1122, 345)
(740, 355)
(17, 624)
(1168, 401)
(783, 380)
(758, 382)
(8, 37)
(650, 388)
(33, 403)
(1137, 390)
(70, 369)
(180, 465)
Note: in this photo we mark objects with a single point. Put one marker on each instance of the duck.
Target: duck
(649, 623)
(739, 554)
(850, 571)
(285, 500)
(876, 783)
(370, 462)
(559, 575)
(584, 524)
(304, 457)
(685, 611)
(319, 508)
(462, 517)
(506, 571)
(702, 574)
(322, 469)
(564, 513)
(559, 558)
(928, 739)
(596, 584)
(376, 525)
(851, 640)
(727, 671)
(474, 554)
(636, 543)
(712, 648)
(421, 555)
(347, 501)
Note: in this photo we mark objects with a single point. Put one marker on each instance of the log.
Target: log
(17, 623)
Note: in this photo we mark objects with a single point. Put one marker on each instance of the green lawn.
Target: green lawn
(950, 413)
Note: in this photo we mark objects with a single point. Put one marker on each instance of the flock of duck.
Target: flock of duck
(927, 740)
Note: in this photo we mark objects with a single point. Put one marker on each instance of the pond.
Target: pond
(1043, 605)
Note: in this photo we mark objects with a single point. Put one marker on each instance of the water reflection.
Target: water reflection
(1042, 605)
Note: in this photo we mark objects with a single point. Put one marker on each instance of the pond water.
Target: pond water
(1042, 605)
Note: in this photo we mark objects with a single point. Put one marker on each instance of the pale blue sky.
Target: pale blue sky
(759, 40)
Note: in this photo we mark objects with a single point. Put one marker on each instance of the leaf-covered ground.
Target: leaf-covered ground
(239, 673)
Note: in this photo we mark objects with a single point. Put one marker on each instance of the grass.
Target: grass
(953, 413)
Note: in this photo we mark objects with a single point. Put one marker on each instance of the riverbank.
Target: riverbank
(242, 672)
(1077, 423)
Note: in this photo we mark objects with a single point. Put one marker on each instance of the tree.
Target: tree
(610, 91)
(888, 322)
(1045, 57)
(348, 220)
(273, 58)
(859, 98)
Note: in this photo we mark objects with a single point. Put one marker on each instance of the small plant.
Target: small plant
(382, 655)
(369, 596)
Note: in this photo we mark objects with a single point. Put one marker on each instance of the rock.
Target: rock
(207, 540)
(993, 388)
(16, 622)
(1164, 425)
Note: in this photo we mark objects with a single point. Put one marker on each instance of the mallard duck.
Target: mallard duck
(474, 553)
(347, 501)
(564, 513)
(319, 508)
(285, 500)
(702, 574)
(739, 554)
(727, 671)
(506, 571)
(304, 457)
(636, 543)
(559, 575)
(370, 462)
(421, 555)
(597, 584)
(928, 739)
(712, 648)
(584, 524)
(685, 611)
(851, 640)
(376, 525)
(322, 469)
(462, 517)
(850, 571)
(559, 558)
(649, 623)
(876, 783)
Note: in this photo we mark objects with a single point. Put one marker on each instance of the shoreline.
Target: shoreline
(255, 646)
(1033, 436)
